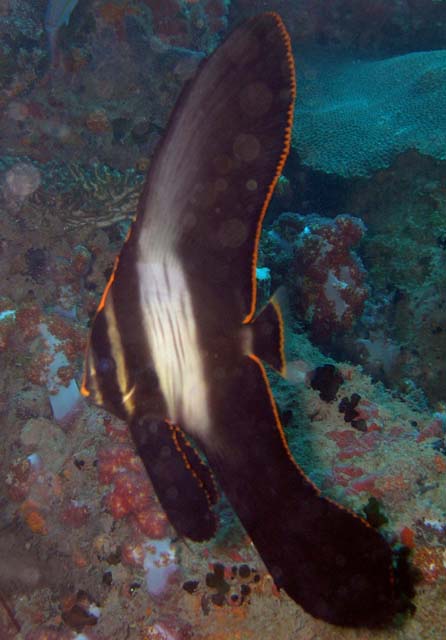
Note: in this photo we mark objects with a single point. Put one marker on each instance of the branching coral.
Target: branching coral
(97, 196)
(114, 195)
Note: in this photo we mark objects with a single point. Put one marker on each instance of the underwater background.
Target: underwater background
(357, 233)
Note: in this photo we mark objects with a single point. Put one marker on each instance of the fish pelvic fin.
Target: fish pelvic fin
(183, 483)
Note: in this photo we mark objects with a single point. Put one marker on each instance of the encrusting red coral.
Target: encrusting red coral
(330, 279)
(75, 514)
(116, 459)
(34, 518)
(19, 479)
(28, 319)
(152, 522)
(431, 562)
(133, 554)
(407, 536)
(327, 280)
(132, 494)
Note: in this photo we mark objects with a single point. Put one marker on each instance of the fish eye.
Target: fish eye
(106, 365)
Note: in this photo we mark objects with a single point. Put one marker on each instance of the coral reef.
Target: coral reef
(86, 552)
(94, 195)
(132, 494)
(384, 27)
(101, 561)
(120, 56)
(108, 195)
(326, 280)
(401, 340)
(334, 131)
(80, 500)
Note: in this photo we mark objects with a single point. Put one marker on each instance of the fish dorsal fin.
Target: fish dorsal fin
(213, 177)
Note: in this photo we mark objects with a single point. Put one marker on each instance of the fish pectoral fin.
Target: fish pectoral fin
(268, 332)
(327, 559)
(181, 480)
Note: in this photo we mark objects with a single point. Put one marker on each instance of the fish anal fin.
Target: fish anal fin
(330, 561)
(179, 478)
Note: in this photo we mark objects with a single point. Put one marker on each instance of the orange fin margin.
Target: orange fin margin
(179, 477)
(327, 559)
(282, 160)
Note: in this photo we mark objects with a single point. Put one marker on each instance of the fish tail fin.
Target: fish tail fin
(269, 332)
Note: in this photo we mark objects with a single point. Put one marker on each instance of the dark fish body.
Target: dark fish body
(176, 350)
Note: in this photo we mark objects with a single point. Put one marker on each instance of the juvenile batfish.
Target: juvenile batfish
(176, 349)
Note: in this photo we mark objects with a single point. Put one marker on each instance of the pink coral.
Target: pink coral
(136, 489)
(19, 479)
(133, 553)
(132, 494)
(152, 522)
(116, 459)
(169, 21)
(169, 630)
(353, 445)
(75, 514)
(433, 430)
(328, 278)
